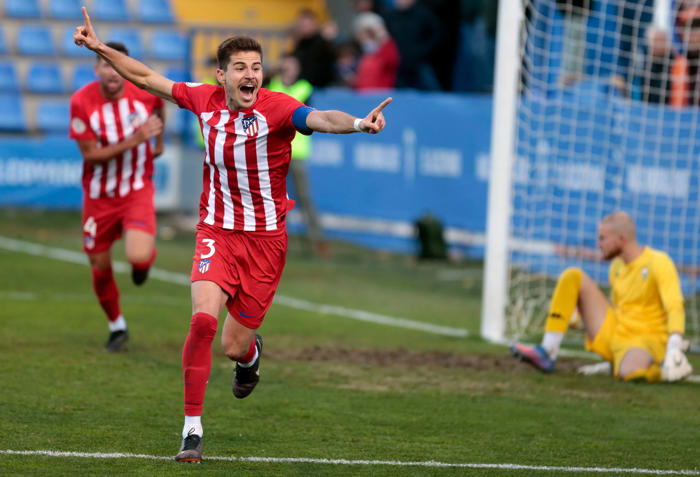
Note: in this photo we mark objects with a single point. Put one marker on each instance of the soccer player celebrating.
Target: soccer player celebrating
(113, 121)
(241, 236)
(641, 333)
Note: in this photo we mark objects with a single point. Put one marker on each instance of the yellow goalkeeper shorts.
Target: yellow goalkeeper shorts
(611, 346)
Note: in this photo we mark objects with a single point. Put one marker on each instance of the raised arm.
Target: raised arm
(131, 69)
(338, 122)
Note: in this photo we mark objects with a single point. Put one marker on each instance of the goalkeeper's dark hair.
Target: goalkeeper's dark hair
(233, 45)
(116, 45)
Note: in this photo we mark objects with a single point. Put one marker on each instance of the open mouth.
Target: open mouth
(247, 91)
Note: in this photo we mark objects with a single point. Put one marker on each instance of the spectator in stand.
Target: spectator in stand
(315, 53)
(379, 63)
(669, 75)
(417, 32)
(445, 54)
(346, 64)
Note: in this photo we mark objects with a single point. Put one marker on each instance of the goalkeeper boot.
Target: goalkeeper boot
(534, 355)
(116, 341)
(191, 449)
(245, 379)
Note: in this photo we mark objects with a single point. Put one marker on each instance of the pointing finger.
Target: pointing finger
(383, 104)
(87, 18)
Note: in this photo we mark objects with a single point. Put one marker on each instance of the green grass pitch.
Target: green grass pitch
(331, 387)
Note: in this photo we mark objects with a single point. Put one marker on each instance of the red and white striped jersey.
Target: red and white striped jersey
(92, 117)
(247, 154)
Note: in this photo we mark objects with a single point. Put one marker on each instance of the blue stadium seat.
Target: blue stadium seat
(83, 74)
(8, 77)
(177, 74)
(3, 43)
(22, 9)
(156, 11)
(111, 10)
(45, 78)
(12, 113)
(131, 39)
(53, 115)
(69, 48)
(66, 9)
(168, 45)
(35, 40)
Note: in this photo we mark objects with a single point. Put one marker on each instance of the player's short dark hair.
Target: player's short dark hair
(116, 45)
(233, 45)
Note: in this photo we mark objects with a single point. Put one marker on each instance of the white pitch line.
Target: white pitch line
(394, 463)
(182, 279)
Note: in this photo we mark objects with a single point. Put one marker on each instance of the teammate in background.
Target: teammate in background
(641, 333)
(241, 237)
(113, 122)
(288, 82)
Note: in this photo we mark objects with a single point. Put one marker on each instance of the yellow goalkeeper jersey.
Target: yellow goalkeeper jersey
(646, 295)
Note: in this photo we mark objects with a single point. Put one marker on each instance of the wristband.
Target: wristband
(356, 125)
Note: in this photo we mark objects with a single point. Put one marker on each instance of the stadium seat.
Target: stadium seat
(35, 40)
(168, 45)
(111, 10)
(8, 77)
(12, 113)
(83, 73)
(53, 115)
(69, 48)
(131, 39)
(65, 9)
(156, 11)
(3, 43)
(22, 9)
(177, 74)
(45, 78)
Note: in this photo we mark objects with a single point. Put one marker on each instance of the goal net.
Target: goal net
(603, 120)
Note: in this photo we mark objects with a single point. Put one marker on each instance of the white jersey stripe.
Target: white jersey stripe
(140, 149)
(94, 191)
(264, 173)
(209, 219)
(112, 138)
(239, 157)
(221, 165)
(128, 130)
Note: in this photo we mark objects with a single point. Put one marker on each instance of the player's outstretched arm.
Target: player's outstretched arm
(338, 122)
(131, 69)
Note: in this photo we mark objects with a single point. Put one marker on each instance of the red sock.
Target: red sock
(248, 357)
(196, 361)
(107, 292)
(141, 266)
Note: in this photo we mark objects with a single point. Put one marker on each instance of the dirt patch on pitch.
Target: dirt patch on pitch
(412, 359)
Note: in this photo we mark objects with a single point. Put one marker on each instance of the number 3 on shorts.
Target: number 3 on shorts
(209, 243)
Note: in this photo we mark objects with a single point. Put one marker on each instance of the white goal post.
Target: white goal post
(584, 124)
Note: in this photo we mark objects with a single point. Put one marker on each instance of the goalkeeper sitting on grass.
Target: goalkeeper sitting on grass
(641, 334)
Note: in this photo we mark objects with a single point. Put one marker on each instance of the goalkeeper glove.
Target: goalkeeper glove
(675, 366)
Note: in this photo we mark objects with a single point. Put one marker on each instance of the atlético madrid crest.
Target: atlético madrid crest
(204, 266)
(250, 125)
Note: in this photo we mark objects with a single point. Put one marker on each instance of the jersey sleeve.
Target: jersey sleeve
(193, 96)
(670, 292)
(80, 129)
(294, 112)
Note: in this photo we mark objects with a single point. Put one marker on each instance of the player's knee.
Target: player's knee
(651, 374)
(572, 275)
(233, 349)
(203, 325)
(100, 261)
(138, 257)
